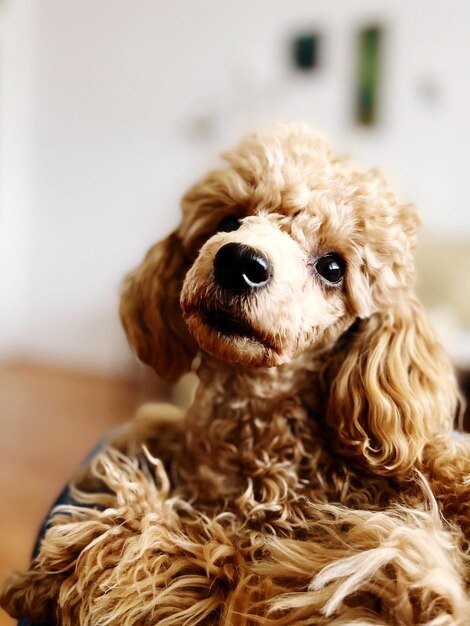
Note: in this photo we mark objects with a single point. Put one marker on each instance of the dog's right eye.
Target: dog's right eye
(331, 268)
(229, 223)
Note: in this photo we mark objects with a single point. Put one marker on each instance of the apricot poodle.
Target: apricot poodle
(316, 479)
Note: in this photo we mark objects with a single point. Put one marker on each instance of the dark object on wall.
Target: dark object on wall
(305, 50)
(368, 75)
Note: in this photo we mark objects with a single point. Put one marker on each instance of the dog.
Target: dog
(316, 478)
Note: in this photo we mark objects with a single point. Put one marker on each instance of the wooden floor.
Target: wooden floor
(50, 419)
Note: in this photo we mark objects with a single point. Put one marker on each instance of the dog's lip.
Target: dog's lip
(226, 323)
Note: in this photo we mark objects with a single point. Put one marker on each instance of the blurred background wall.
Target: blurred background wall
(109, 109)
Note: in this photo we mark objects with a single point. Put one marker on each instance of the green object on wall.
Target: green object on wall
(368, 80)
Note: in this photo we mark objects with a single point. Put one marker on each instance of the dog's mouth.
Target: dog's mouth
(227, 324)
(225, 334)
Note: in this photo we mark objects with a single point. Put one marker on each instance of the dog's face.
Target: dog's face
(288, 246)
(266, 285)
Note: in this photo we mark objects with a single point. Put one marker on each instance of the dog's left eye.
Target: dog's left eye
(331, 268)
(229, 223)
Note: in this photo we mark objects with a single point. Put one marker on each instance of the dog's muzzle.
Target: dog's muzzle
(240, 268)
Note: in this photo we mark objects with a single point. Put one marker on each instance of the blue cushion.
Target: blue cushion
(64, 498)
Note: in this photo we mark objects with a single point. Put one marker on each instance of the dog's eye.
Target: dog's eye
(229, 223)
(331, 268)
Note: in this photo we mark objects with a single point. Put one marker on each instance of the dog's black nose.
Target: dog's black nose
(239, 268)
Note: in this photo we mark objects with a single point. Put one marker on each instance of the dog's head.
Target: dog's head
(280, 252)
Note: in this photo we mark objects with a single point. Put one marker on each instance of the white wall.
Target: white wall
(113, 107)
(15, 172)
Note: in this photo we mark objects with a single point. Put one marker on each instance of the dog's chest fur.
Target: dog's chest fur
(257, 446)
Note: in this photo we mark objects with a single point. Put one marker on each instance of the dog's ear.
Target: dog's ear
(151, 314)
(392, 389)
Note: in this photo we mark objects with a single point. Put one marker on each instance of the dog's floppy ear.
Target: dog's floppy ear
(392, 389)
(151, 314)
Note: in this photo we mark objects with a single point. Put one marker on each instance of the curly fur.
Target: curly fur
(316, 478)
